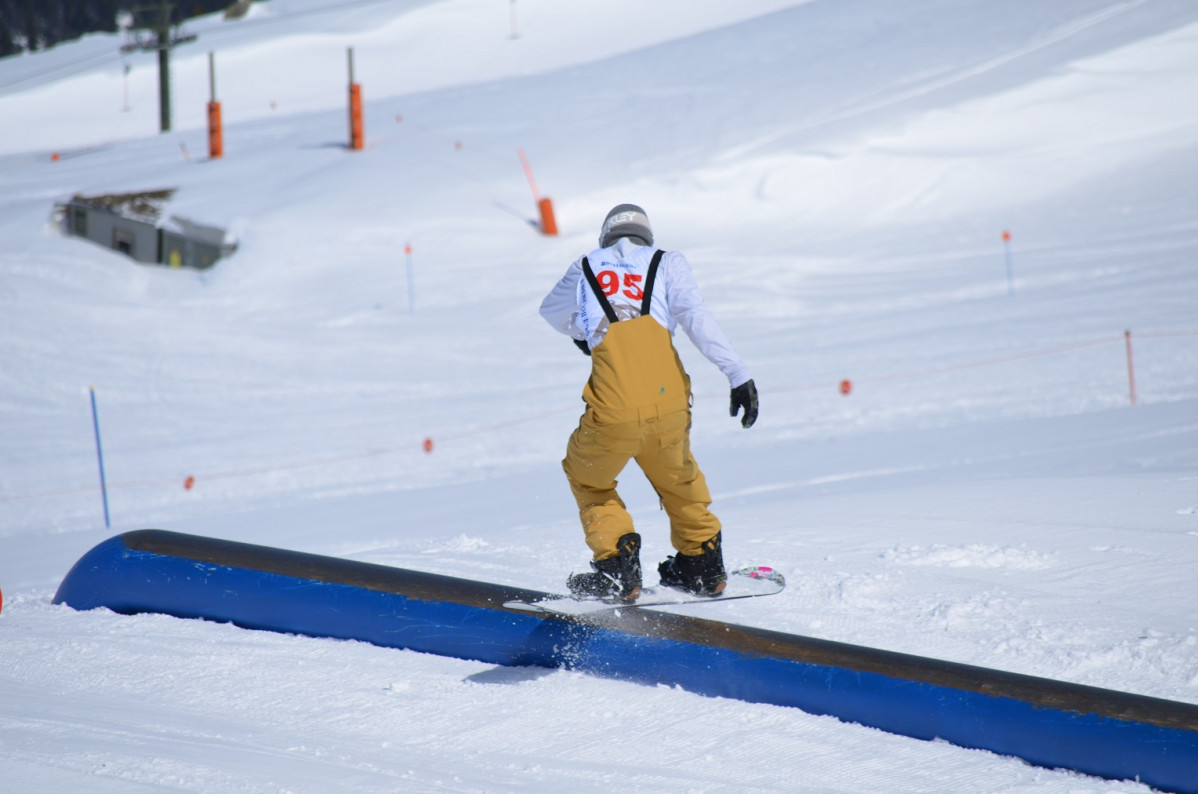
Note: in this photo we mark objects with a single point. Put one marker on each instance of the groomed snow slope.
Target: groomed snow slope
(839, 172)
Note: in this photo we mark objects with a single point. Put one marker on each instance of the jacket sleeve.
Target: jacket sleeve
(689, 310)
(560, 307)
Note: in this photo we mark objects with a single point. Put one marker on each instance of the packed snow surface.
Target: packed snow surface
(840, 174)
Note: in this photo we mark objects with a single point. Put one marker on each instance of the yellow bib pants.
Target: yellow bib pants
(638, 408)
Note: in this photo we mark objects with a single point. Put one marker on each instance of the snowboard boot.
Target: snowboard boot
(617, 578)
(702, 574)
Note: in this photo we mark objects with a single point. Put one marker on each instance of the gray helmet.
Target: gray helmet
(625, 220)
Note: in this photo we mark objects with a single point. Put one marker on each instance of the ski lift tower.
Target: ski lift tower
(163, 36)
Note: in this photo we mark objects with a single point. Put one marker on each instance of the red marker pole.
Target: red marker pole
(548, 221)
(407, 250)
(1006, 244)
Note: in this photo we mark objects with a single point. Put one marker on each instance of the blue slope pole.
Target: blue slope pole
(99, 455)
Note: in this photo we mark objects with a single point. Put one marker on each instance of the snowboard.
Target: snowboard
(751, 582)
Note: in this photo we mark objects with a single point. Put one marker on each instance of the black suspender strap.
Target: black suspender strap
(594, 282)
(649, 281)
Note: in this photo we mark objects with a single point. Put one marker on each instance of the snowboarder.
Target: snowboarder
(620, 304)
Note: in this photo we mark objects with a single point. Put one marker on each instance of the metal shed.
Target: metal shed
(128, 223)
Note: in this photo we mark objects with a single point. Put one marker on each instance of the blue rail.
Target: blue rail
(1049, 723)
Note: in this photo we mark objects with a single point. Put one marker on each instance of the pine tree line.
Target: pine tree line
(28, 25)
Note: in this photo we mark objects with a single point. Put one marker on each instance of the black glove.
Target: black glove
(582, 345)
(745, 396)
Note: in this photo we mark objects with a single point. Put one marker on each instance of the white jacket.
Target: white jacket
(572, 308)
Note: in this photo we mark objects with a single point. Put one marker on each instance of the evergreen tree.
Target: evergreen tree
(37, 24)
(7, 47)
(33, 30)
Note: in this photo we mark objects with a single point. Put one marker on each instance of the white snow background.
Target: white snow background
(839, 173)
